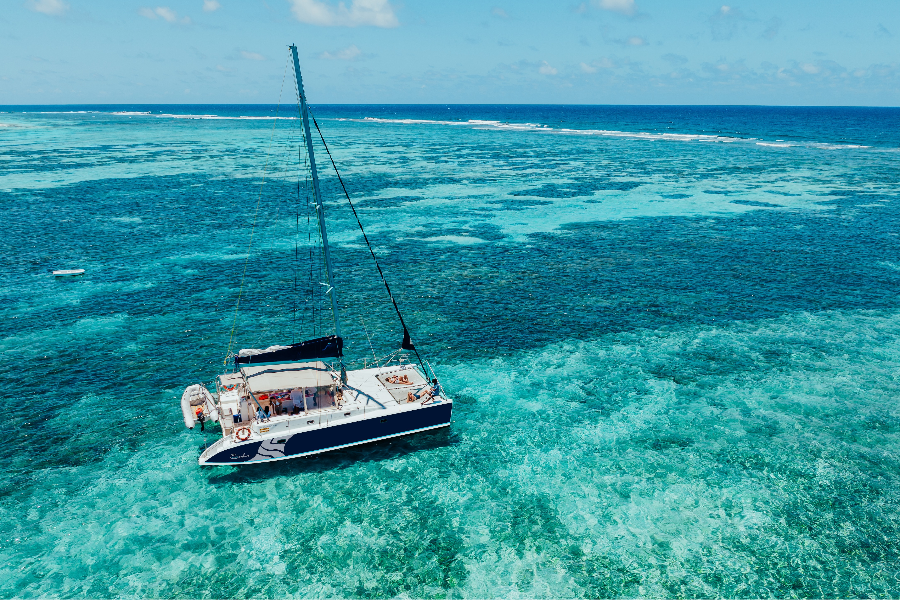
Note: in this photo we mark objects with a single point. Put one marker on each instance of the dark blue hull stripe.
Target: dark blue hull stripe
(335, 437)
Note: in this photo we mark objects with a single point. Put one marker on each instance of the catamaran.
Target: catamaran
(287, 401)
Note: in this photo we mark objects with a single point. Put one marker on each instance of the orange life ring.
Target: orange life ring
(241, 438)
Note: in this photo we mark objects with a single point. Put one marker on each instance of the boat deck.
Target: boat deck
(384, 390)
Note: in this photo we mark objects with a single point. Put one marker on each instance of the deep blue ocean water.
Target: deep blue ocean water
(672, 335)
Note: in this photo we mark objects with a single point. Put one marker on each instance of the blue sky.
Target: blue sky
(800, 52)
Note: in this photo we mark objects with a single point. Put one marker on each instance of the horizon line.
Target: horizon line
(444, 104)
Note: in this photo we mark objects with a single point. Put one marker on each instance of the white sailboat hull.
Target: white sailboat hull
(304, 435)
(375, 404)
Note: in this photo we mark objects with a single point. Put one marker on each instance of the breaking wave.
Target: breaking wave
(634, 135)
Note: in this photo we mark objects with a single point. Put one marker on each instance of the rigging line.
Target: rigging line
(288, 174)
(296, 258)
(304, 159)
(309, 257)
(310, 302)
(255, 215)
(366, 329)
(296, 265)
(296, 243)
(406, 335)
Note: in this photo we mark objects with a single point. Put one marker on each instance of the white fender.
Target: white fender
(186, 410)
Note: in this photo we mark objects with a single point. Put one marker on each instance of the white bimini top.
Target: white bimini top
(270, 378)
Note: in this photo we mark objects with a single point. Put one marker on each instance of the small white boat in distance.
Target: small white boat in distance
(68, 272)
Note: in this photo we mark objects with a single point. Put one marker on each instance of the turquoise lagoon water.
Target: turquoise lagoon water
(672, 335)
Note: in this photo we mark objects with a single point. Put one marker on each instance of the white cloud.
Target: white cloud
(726, 71)
(596, 65)
(54, 8)
(499, 12)
(377, 13)
(211, 5)
(349, 53)
(546, 69)
(634, 40)
(167, 14)
(163, 12)
(624, 7)
(252, 55)
(727, 22)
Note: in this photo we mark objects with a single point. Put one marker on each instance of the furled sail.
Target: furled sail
(323, 347)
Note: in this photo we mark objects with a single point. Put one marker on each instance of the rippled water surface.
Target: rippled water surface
(672, 335)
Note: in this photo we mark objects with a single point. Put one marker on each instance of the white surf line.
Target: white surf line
(201, 117)
(637, 135)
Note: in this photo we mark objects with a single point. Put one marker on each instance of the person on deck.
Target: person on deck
(426, 392)
(297, 399)
(261, 415)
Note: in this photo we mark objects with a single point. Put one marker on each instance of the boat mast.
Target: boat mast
(320, 210)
